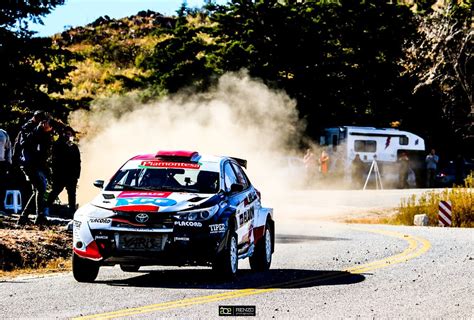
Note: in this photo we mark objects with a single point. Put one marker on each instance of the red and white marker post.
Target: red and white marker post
(444, 213)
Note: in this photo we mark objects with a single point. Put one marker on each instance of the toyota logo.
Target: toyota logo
(142, 217)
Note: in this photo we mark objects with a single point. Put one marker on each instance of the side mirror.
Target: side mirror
(99, 184)
(236, 187)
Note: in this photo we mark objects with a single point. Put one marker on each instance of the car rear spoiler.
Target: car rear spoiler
(241, 162)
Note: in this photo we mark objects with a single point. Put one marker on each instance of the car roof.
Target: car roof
(208, 162)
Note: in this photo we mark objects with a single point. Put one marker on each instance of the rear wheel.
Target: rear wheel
(262, 257)
(84, 270)
(226, 263)
(129, 268)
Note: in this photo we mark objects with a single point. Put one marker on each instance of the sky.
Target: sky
(81, 12)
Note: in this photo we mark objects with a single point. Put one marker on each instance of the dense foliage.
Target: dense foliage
(376, 63)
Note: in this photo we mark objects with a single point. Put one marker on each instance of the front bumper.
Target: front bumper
(112, 241)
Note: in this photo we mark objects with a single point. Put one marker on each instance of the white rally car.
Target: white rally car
(174, 208)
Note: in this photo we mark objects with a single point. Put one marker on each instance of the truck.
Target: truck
(382, 145)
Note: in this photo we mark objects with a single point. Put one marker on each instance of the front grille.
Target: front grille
(156, 220)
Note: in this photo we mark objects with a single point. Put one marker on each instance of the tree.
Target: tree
(180, 60)
(441, 62)
(32, 68)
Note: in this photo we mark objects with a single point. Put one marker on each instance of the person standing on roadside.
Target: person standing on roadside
(404, 163)
(357, 172)
(5, 163)
(66, 169)
(32, 150)
(324, 164)
(431, 166)
(310, 165)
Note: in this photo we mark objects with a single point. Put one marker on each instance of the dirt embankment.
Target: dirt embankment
(32, 247)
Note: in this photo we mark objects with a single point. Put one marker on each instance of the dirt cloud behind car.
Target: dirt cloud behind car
(239, 117)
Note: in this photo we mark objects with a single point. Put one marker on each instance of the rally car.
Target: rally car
(174, 208)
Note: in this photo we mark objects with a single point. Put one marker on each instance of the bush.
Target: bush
(462, 202)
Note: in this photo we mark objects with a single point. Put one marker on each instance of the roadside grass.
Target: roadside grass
(462, 202)
(53, 266)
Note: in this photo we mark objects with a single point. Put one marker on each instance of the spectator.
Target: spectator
(357, 172)
(431, 166)
(32, 149)
(309, 161)
(324, 164)
(404, 163)
(5, 163)
(66, 169)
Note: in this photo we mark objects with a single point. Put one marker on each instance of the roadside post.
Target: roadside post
(445, 214)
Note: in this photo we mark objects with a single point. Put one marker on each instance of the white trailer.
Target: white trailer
(381, 144)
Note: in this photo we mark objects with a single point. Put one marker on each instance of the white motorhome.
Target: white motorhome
(381, 144)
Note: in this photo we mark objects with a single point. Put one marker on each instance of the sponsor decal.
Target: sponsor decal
(246, 216)
(77, 224)
(143, 194)
(181, 238)
(99, 237)
(168, 164)
(237, 311)
(145, 202)
(188, 223)
(100, 220)
(217, 228)
(142, 217)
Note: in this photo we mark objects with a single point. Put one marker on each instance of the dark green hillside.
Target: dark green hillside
(376, 63)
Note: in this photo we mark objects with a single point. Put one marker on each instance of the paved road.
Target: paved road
(320, 271)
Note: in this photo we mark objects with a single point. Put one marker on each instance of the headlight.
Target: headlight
(91, 211)
(198, 215)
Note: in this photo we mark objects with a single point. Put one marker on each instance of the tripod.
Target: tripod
(378, 180)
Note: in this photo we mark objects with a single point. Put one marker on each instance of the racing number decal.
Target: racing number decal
(246, 216)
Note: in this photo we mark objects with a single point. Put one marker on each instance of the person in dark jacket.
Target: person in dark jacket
(357, 172)
(32, 150)
(404, 163)
(66, 169)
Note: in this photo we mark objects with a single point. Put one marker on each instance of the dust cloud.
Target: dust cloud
(239, 117)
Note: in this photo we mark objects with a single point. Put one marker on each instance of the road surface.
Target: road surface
(320, 270)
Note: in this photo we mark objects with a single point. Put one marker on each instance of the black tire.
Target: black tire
(262, 256)
(84, 270)
(227, 261)
(129, 268)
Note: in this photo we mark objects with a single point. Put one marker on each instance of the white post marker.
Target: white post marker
(444, 213)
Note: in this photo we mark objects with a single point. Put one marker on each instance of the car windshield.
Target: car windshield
(165, 179)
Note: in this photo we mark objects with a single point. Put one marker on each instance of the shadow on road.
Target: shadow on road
(206, 279)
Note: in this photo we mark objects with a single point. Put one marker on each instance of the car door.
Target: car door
(239, 202)
(247, 209)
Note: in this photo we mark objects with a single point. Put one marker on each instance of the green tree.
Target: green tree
(180, 60)
(441, 63)
(32, 68)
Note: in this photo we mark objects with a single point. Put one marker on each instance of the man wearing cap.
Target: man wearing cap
(32, 149)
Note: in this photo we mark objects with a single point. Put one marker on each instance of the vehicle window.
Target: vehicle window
(365, 145)
(165, 179)
(404, 141)
(241, 177)
(229, 176)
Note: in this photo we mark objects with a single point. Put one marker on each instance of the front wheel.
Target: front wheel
(84, 270)
(262, 257)
(226, 263)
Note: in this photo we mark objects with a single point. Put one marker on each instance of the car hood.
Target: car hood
(149, 201)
